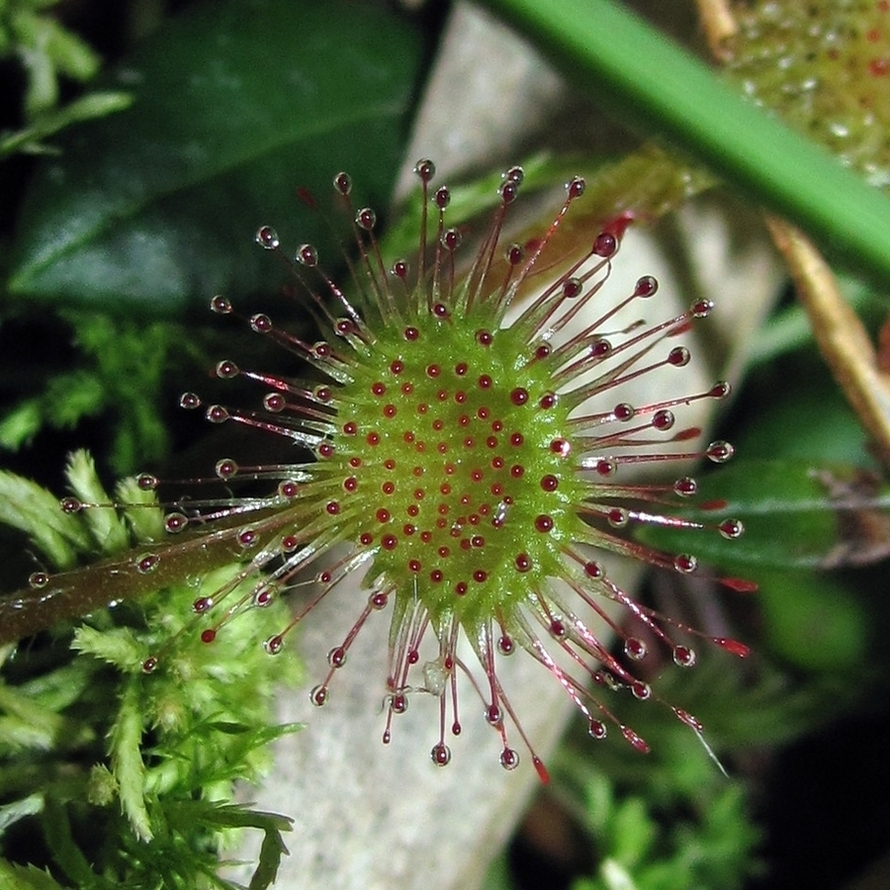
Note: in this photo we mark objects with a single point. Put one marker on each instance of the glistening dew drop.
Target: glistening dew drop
(465, 453)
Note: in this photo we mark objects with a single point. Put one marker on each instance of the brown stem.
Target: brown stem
(720, 27)
(842, 339)
(845, 345)
(78, 592)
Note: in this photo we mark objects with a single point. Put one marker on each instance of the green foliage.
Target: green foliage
(797, 514)
(35, 511)
(26, 877)
(240, 107)
(668, 820)
(816, 621)
(128, 774)
(788, 329)
(645, 183)
(63, 536)
(122, 372)
(49, 52)
(804, 482)
(224, 115)
(672, 818)
(45, 48)
(32, 139)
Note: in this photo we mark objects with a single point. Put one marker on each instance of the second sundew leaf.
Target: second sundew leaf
(796, 514)
(240, 108)
(825, 66)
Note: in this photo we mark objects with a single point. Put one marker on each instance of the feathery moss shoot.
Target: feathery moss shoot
(467, 447)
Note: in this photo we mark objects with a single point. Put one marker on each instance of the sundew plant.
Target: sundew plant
(446, 468)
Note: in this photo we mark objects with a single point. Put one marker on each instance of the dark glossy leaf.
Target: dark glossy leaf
(240, 108)
(796, 514)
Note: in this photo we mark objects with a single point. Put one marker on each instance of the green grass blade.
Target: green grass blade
(628, 64)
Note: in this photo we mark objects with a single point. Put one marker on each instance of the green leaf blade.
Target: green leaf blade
(621, 60)
(796, 515)
(238, 106)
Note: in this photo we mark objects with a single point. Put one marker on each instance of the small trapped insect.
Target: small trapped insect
(465, 445)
